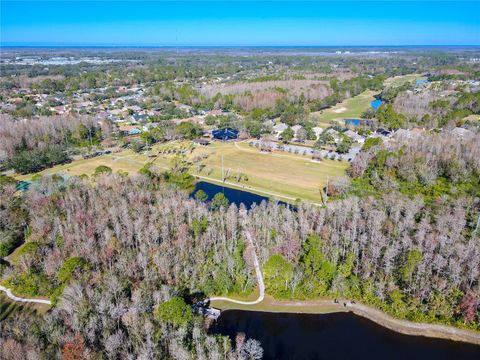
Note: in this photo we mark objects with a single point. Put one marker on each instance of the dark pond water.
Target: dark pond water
(233, 195)
(334, 336)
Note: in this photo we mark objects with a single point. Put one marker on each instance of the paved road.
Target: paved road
(20, 299)
(258, 273)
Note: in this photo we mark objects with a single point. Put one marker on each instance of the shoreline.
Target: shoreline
(405, 327)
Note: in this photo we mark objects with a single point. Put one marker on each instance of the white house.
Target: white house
(295, 129)
(352, 135)
(317, 130)
(279, 128)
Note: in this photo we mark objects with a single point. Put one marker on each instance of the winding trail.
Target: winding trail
(258, 273)
(377, 316)
(20, 299)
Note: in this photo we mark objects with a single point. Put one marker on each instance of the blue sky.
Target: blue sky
(224, 23)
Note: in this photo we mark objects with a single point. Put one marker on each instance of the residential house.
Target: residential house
(318, 131)
(352, 135)
(129, 130)
(462, 133)
(295, 129)
(225, 134)
(139, 117)
(334, 133)
(279, 128)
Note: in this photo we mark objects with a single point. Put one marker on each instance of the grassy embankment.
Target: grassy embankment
(288, 176)
(9, 307)
(270, 304)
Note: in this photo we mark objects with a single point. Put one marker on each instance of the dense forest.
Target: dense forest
(123, 257)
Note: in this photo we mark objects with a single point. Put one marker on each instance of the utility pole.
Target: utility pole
(477, 227)
(223, 177)
(90, 135)
(326, 191)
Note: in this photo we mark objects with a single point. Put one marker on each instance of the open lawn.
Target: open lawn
(119, 161)
(294, 176)
(472, 118)
(402, 79)
(282, 175)
(351, 108)
(269, 304)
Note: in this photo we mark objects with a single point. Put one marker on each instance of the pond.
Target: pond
(353, 122)
(334, 336)
(421, 81)
(376, 104)
(235, 196)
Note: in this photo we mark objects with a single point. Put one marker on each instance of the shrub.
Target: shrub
(68, 268)
(102, 169)
(174, 311)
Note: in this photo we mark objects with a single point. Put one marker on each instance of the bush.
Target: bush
(28, 248)
(29, 284)
(201, 195)
(219, 201)
(102, 169)
(34, 160)
(174, 311)
(69, 267)
(371, 142)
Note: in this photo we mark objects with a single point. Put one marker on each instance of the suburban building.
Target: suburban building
(225, 134)
(352, 135)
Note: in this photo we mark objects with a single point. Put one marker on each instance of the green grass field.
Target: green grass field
(294, 176)
(402, 79)
(347, 109)
(282, 175)
(269, 304)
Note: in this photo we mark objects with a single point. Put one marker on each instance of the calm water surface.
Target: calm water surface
(334, 336)
(376, 104)
(235, 196)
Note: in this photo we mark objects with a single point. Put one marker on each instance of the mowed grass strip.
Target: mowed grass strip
(402, 79)
(319, 306)
(116, 162)
(351, 108)
(293, 176)
(289, 175)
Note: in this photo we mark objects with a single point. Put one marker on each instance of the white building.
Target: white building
(279, 128)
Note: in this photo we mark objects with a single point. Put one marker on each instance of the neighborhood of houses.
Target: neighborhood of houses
(130, 111)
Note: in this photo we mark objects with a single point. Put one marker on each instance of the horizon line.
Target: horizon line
(226, 46)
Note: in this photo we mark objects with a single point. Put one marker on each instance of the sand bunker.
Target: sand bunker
(340, 110)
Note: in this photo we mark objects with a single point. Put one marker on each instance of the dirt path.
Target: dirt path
(20, 299)
(258, 273)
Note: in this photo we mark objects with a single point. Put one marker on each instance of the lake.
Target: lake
(235, 196)
(334, 336)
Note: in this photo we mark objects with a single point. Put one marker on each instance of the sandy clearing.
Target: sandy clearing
(340, 110)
